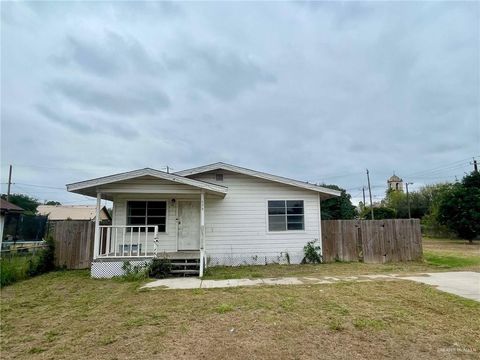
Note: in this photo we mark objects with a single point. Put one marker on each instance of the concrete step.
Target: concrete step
(185, 272)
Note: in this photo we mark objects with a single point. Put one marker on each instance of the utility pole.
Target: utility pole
(168, 169)
(475, 166)
(408, 199)
(370, 193)
(9, 182)
(363, 191)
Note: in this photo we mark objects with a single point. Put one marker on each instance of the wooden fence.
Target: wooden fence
(73, 243)
(371, 241)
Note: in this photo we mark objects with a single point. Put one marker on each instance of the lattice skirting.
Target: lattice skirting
(253, 259)
(109, 269)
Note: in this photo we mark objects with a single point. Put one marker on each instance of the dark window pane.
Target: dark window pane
(295, 210)
(137, 204)
(136, 212)
(136, 220)
(161, 228)
(295, 203)
(276, 211)
(156, 205)
(295, 218)
(276, 223)
(155, 220)
(276, 203)
(157, 212)
(295, 226)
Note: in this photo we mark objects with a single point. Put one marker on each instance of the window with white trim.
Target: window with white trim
(285, 215)
(140, 213)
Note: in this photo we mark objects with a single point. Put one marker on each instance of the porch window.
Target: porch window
(285, 215)
(141, 213)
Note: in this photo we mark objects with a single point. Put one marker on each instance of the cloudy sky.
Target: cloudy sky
(313, 91)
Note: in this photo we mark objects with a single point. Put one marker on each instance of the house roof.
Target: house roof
(326, 192)
(6, 206)
(72, 212)
(88, 187)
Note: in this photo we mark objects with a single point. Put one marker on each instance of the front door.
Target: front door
(188, 225)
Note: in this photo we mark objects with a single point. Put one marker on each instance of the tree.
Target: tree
(52, 202)
(459, 208)
(27, 203)
(338, 208)
(379, 213)
(397, 200)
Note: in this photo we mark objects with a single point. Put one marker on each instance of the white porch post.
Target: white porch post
(202, 233)
(96, 241)
(320, 240)
(202, 220)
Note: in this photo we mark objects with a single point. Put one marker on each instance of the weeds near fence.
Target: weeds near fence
(18, 266)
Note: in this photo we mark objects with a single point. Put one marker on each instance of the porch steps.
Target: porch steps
(185, 267)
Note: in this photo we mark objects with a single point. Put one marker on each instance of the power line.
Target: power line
(42, 186)
(437, 168)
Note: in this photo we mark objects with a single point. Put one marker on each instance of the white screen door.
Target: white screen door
(188, 225)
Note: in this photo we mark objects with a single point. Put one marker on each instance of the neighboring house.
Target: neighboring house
(7, 208)
(217, 214)
(72, 212)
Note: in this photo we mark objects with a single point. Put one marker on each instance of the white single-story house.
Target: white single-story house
(218, 214)
(72, 212)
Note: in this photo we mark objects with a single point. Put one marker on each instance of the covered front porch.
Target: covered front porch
(154, 214)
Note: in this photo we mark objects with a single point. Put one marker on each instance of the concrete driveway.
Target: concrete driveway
(461, 283)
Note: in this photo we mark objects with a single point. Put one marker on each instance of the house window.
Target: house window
(219, 177)
(141, 213)
(285, 215)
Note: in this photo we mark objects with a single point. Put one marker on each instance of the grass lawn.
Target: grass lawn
(439, 255)
(69, 315)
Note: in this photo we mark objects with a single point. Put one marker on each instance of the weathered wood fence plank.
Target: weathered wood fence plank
(377, 241)
(73, 243)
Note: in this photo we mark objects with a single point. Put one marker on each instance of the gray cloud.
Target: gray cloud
(89, 124)
(113, 56)
(126, 102)
(317, 91)
(220, 73)
(71, 123)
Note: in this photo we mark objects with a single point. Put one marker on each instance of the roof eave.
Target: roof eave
(94, 183)
(223, 166)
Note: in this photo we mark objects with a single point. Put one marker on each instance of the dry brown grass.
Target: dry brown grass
(69, 315)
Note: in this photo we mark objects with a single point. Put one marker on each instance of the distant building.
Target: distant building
(7, 208)
(72, 212)
(395, 183)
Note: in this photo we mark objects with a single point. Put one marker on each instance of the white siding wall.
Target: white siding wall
(237, 226)
(167, 240)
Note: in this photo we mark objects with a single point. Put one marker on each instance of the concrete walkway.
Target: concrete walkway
(462, 283)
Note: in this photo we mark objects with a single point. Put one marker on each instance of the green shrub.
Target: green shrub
(134, 272)
(312, 253)
(15, 267)
(45, 261)
(159, 268)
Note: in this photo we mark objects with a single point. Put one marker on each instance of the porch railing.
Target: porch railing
(128, 241)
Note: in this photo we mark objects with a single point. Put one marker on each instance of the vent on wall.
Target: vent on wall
(219, 177)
